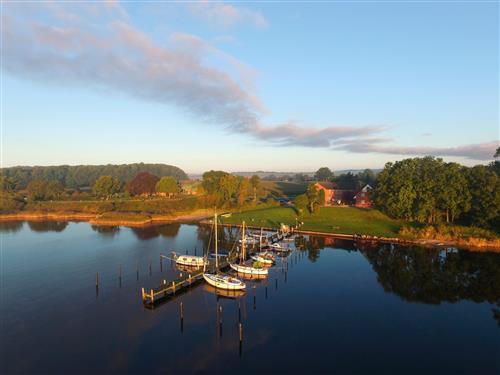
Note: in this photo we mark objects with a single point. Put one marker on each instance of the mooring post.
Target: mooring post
(285, 276)
(150, 269)
(190, 281)
(239, 311)
(266, 291)
(173, 286)
(137, 270)
(97, 280)
(220, 320)
(120, 276)
(241, 332)
(152, 296)
(182, 316)
(276, 284)
(161, 264)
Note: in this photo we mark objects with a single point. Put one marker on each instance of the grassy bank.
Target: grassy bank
(343, 220)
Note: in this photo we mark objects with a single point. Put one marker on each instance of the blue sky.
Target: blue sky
(249, 86)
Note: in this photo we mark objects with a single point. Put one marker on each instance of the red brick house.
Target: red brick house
(363, 197)
(334, 195)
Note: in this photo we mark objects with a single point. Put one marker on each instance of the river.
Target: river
(339, 307)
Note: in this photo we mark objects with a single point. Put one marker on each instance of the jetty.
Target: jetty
(169, 288)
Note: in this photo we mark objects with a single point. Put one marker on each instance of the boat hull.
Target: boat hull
(224, 282)
(249, 270)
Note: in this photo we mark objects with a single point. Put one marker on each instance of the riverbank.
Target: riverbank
(111, 218)
(357, 224)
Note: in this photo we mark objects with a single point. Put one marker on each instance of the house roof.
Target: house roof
(327, 185)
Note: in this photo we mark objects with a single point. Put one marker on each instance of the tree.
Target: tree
(484, 187)
(301, 202)
(367, 177)
(312, 197)
(255, 184)
(323, 174)
(143, 183)
(106, 186)
(168, 186)
(453, 195)
(7, 184)
(39, 190)
(242, 191)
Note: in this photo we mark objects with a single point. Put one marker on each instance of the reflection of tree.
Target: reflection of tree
(314, 246)
(145, 233)
(11, 226)
(106, 230)
(47, 226)
(434, 276)
(496, 313)
(168, 230)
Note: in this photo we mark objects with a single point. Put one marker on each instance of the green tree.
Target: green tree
(106, 186)
(168, 185)
(242, 191)
(312, 197)
(301, 203)
(323, 174)
(255, 184)
(484, 187)
(453, 196)
(37, 190)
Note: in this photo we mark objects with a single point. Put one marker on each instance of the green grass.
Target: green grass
(345, 220)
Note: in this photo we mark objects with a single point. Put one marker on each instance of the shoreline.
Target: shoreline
(202, 217)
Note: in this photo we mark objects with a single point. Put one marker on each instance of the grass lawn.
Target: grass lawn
(345, 220)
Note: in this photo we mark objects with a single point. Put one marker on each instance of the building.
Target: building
(190, 187)
(363, 197)
(334, 195)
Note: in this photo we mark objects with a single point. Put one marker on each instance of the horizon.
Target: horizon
(238, 86)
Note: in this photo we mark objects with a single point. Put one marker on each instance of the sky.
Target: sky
(245, 86)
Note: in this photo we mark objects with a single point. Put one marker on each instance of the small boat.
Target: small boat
(224, 281)
(218, 280)
(278, 247)
(189, 260)
(265, 257)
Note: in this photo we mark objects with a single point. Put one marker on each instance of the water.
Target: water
(338, 308)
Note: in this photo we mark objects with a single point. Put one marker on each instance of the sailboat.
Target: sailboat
(188, 260)
(264, 257)
(247, 269)
(220, 280)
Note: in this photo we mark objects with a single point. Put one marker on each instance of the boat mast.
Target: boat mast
(260, 240)
(243, 244)
(216, 254)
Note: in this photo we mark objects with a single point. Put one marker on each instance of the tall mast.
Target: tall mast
(216, 245)
(260, 240)
(243, 243)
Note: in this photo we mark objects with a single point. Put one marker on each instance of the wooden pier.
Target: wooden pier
(169, 288)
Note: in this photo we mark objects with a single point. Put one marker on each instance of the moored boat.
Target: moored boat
(265, 257)
(248, 268)
(189, 260)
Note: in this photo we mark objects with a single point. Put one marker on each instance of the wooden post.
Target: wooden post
(239, 312)
(150, 271)
(120, 276)
(97, 280)
(266, 291)
(152, 296)
(173, 286)
(137, 270)
(276, 284)
(190, 281)
(142, 290)
(161, 264)
(182, 317)
(241, 332)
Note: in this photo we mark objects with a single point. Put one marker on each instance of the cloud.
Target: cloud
(226, 15)
(477, 151)
(97, 46)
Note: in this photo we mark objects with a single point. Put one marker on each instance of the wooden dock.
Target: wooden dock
(169, 288)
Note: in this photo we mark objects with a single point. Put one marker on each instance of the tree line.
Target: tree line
(78, 176)
(428, 190)
(224, 189)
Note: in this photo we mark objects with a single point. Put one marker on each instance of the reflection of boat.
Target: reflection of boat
(188, 260)
(220, 280)
(187, 269)
(265, 257)
(224, 293)
(247, 268)
(252, 276)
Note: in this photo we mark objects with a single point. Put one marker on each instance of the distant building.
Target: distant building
(334, 195)
(190, 186)
(363, 197)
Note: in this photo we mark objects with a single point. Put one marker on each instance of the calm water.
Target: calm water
(339, 308)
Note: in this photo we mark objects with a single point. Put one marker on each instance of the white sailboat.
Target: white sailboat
(264, 257)
(189, 260)
(221, 281)
(247, 269)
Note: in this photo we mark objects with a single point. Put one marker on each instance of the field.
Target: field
(279, 189)
(345, 220)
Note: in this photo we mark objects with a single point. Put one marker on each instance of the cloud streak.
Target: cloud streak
(97, 46)
(226, 15)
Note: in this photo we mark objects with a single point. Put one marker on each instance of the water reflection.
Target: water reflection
(47, 226)
(434, 276)
(11, 226)
(107, 231)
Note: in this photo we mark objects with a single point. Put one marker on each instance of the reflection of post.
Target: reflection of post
(120, 276)
(276, 287)
(220, 320)
(241, 337)
(254, 297)
(150, 269)
(161, 264)
(182, 316)
(239, 312)
(137, 270)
